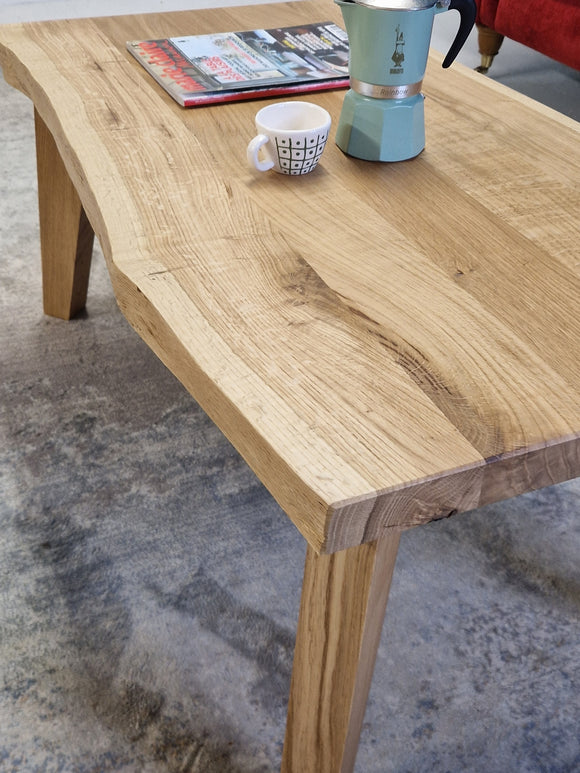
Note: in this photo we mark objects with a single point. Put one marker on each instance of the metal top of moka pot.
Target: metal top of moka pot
(402, 5)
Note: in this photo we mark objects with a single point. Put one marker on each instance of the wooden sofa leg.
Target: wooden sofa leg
(489, 44)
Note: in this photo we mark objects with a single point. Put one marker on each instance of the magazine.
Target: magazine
(224, 67)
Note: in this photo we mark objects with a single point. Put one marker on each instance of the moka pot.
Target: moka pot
(382, 117)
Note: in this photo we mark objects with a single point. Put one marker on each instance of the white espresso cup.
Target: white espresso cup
(291, 137)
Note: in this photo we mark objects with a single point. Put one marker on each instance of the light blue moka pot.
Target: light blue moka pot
(382, 117)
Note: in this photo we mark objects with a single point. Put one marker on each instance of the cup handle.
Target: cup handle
(252, 153)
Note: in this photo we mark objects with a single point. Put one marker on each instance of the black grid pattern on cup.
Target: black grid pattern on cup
(298, 156)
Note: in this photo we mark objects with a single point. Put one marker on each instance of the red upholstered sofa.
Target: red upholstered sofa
(551, 27)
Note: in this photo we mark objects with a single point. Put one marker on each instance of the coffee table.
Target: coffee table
(384, 344)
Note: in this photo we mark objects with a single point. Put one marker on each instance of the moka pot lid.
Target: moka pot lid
(402, 5)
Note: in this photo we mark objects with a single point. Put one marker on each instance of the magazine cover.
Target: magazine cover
(223, 67)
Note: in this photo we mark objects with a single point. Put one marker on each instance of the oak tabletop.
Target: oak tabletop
(385, 344)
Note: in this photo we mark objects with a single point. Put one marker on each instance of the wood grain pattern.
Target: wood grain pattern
(383, 343)
(66, 236)
(344, 597)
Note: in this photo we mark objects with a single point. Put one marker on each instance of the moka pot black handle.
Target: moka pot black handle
(468, 11)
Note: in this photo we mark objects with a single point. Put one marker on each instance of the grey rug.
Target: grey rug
(149, 585)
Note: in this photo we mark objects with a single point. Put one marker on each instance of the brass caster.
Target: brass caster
(486, 60)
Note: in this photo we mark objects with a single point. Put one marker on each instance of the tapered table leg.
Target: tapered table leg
(344, 597)
(66, 236)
